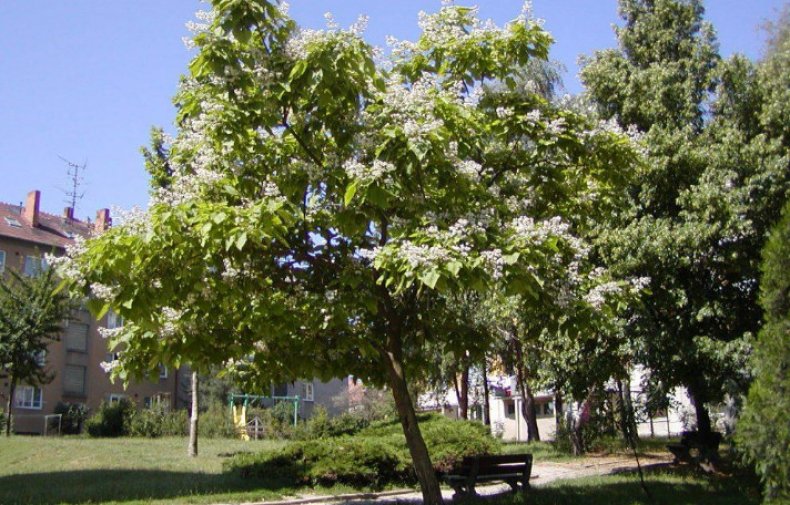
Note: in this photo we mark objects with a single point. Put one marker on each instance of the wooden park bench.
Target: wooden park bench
(696, 448)
(514, 469)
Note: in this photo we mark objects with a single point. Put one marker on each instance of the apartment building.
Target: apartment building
(26, 235)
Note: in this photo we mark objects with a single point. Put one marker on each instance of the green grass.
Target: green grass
(73, 470)
(675, 486)
(541, 451)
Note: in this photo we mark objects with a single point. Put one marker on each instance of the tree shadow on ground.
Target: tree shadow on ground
(667, 486)
(98, 486)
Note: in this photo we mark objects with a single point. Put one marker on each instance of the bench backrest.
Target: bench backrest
(497, 464)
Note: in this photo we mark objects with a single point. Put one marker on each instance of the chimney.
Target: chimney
(30, 212)
(103, 220)
(68, 213)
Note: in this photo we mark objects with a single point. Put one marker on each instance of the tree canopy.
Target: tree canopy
(321, 199)
(31, 317)
(715, 181)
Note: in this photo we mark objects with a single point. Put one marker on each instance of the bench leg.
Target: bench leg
(513, 483)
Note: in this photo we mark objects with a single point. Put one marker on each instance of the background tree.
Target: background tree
(32, 316)
(763, 433)
(319, 202)
(715, 181)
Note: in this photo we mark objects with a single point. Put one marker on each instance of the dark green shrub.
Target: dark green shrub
(146, 423)
(111, 420)
(348, 460)
(763, 432)
(175, 423)
(73, 417)
(375, 456)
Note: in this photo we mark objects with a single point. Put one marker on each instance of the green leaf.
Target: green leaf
(351, 190)
(241, 240)
(430, 278)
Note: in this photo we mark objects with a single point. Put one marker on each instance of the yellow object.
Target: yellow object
(240, 421)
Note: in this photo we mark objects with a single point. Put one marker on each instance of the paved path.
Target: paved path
(542, 474)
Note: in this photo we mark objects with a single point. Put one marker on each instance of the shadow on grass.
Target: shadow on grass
(84, 486)
(675, 486)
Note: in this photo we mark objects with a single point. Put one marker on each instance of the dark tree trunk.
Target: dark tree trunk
(486, 396)
(393, 360)
(528, 404)
(698, 399)
(463, 398)
(10, 404)
(629, 409)
(558, 409)
(193, 420)
(626, 425)
(457, 390)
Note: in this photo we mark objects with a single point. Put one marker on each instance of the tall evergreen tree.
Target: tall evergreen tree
(715, 180)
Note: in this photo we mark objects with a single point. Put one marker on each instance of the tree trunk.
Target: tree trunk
(558, 409)
(528, 403)
(10, 404)
(457, 390)
(629, 409)
(463, 398)
(392, 356)
(193, 420)
(486, 396)
(698, 399)
(625, 424)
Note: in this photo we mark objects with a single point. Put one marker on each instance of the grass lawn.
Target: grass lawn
(667, 486)
(71, 470)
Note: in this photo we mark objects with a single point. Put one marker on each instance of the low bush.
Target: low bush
(158, 422)
(321, 425)
(215, 422)
(375, 456)
(111, 420)
(73, 417)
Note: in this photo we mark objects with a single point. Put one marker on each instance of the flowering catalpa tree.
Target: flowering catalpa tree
(318, 196)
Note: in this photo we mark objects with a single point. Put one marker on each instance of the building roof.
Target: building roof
(52, 231)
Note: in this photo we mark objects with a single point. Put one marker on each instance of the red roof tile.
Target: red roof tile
(53, 231)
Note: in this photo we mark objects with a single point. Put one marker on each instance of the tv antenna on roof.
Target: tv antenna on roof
(76, 175)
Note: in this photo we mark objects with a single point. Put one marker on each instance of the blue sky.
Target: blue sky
(86, 79)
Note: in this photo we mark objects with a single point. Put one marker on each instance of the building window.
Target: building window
(2, 261)
(307, 391)
(162, 372)
(28, 397)
(74, 379)
(13, 222)
(77, 337)
(40, 357)
(115, 398)
(280, 390)
(545, 409)
(34, 265)
(114, 320)
(510, 409)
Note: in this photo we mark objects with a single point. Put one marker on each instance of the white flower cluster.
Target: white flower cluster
(469, 169)
(597, 295)
(412, 107)
(104, 292)
(170, 321)
(298, 47)
(65, 265)
(206, 18)
(378, 170)
(109, 366)
(494, 261)
(110, 333)
(556, 127)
